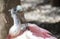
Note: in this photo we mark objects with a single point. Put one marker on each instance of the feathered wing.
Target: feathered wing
(39, 31)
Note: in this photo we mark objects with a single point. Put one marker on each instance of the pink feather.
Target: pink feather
(36, 31)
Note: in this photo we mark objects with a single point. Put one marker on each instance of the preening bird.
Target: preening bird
(26, 31)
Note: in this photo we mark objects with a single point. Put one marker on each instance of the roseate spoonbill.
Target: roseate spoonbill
(26, 31)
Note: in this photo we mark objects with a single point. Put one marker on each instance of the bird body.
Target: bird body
(34, 32)
(29, 31)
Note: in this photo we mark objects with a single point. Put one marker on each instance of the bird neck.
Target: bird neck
(16, 19)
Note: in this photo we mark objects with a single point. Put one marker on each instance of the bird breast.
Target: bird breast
(14, 30)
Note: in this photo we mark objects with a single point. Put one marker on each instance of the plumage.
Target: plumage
(29, 31)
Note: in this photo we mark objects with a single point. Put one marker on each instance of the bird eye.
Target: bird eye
(15, 9)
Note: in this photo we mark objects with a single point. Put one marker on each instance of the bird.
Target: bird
(17, 26)
(27, 30)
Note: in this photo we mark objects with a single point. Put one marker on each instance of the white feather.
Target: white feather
(14, 30)
(27, 35)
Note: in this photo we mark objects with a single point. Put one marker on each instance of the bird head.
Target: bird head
(16, 9)
(19, 8)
